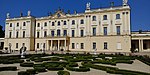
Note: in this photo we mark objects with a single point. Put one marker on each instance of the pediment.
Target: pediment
(59, 14)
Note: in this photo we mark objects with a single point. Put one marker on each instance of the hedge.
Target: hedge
(40, 69)
(55, 68)
(9, 68)
(23, 73)
(7, 61)
(63, 73)
(27, 64)
(80, 69)
(31, 71)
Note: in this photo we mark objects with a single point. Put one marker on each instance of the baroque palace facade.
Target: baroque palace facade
(103, 29)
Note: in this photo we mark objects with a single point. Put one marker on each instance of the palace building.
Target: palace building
(102, 29)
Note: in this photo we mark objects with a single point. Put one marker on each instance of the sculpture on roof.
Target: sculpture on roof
(88, 6)
(29, 13)
(125, 2)
(8, 15)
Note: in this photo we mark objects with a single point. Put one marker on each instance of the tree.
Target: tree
(2, 33)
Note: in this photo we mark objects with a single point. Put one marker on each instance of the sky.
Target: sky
(140, 9)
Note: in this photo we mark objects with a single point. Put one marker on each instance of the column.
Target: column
(51, 44)
(58, 45)
(141, 44)
(47, 44)
(65, 44)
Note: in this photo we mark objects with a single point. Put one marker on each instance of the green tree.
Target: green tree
(2, 33)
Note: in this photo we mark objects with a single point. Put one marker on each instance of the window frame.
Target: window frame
(105, 45)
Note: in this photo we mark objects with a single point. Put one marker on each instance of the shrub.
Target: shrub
(52, 68)
(73, 64)
(63, 73)
(40, 69)
(9, 68)
(27, 64)
(23, 73)
(80, 69)
(55, 59)
(31, 71)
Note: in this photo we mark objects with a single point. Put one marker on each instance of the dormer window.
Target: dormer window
(58, 15)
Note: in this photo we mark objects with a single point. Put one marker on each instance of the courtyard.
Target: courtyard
(74, 64)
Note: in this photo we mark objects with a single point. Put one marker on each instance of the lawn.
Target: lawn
(72, 64)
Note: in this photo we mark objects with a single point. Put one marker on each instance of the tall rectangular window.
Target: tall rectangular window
(118, 45)
(24, 23)
(118, 30)
(52, 33)
(94, 45)
(10, 34)
(23, 34)
(10, 24)
(16, 45)
(105, 30)
(17, 33)
(73, 33)
(73, 46)
(105, 17)
(45, 33)
(17, 24)
(82, 45)
(53, 23)
(82, 33)
(65, 32)
(94, 31)
(38, 34)
(38, 45)
(117, 16)
(105, 45)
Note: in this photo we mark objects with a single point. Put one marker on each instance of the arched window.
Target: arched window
(117, 16)
(53, 23)
(58, 23)
(45, 24)
(38, 25)
(94, 18)
(65, 23)
(105, 17)
(58, 32)
(10, 24)
(82, 21)
(73, 22)
(24, 23)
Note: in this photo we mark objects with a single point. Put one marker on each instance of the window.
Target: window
(53, 23)
(82, 45)
(82, 21)
(117, 16)
(45, 24)
(73, 22)
(105, 45)
(58, 23)
(37, 45)
(52, 33)
(105, 17)
(9, 34)
(94, 18)
(24, 23)
(94, 31)
(73, 46)
(118, 30)
(17, 34)
(17, 24)
(58, 32)
(38, 34)
(45, 33)
(43, 45)
(105, 30)
(23, 34)
(118, 45)
(72, 33)
(82, 33)
(94, 45)
(65, 32)
(10, 24)
(16, 45)
(38, 25)
(65, 23)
